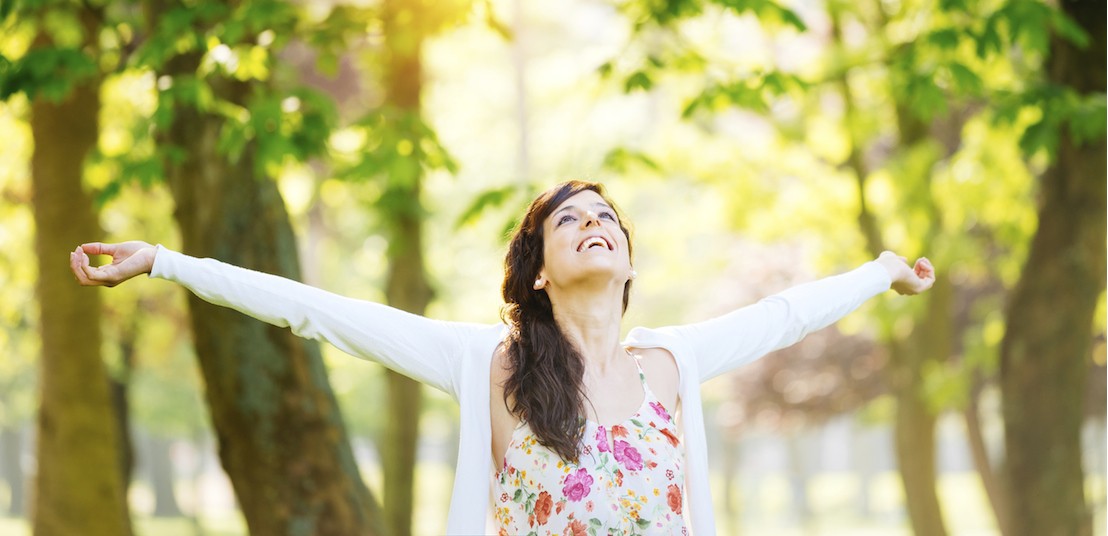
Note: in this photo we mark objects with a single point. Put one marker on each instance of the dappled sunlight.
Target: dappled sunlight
(751, 147)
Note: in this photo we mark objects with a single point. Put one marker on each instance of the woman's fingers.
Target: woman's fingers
(925, 272)
(128, 260)
(75, 267)
(86, 274)
(98, 248)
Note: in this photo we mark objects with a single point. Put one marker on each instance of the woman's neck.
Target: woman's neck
(591, 320)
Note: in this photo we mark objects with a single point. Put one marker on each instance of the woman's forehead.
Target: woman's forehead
(586, 199)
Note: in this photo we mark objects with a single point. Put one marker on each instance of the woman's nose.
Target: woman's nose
(591, 218)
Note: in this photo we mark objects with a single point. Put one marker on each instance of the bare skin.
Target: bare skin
(586, 290)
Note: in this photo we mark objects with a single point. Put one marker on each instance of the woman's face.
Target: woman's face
(582, 241)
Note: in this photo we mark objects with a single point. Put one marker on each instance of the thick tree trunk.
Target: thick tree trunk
(78, 489)
(1045, 351)
(281, 438)
(407, 286)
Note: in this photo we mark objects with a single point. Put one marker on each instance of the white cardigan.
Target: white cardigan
(455, 357)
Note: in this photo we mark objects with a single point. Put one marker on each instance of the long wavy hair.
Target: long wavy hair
(545, 386)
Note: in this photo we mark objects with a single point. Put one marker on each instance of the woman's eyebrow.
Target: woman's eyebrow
(568, 207)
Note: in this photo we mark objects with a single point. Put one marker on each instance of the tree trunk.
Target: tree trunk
(11, 450)
(990, 479)
(914, 429)
(407, 286)
(161, 476)
(1045, 351)
(78, 488)
(120, 405)
(915, 454)
(281, 438)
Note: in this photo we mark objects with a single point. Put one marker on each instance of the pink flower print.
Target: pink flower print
(602, 440)
(661, 411)
(627, 456)
(577, 485)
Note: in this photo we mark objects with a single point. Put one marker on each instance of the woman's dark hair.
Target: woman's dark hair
(545, 385)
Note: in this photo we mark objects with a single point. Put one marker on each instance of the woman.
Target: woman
(575, 428)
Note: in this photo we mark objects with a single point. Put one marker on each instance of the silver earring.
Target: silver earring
(634, 274)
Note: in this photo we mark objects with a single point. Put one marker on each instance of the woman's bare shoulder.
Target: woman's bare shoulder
(661, 372)
(501, 366)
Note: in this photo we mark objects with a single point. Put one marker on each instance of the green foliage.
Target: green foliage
(671, 12)
(398, 143)
(621, 159)
(1057, 109)
(767, 11)
(754, 92)
(488, 199)
(49, 73)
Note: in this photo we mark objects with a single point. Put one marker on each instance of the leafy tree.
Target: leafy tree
(73, 494)
(913, 78)
(223, 127)
(1046, 347)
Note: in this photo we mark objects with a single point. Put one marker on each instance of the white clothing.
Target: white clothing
(455, 357)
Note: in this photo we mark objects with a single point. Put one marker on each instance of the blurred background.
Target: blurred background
(383, 150)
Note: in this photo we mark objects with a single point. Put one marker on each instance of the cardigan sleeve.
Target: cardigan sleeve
(429, 351)
(746, 334)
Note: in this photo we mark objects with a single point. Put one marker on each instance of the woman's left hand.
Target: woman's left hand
(908, 280)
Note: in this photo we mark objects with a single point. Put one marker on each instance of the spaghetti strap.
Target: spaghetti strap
(642, 378)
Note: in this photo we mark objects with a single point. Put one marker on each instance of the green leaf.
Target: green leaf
(965, 80)
(46, 72)
(1087, 122)
(638, 80)
(925, 98)
(518, 497)
(989, 41)
(487, 199)
(620, 160)
(1040, 136)
(945, 38)
(1068, 28)
(642, 523)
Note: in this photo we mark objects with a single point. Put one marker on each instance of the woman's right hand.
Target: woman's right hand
(128, 260)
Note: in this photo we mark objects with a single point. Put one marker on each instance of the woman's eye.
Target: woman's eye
(608, 215)
(565, 219)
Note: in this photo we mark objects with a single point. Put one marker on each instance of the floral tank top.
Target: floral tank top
(630, 483)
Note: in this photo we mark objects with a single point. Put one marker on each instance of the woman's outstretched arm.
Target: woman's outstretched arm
(741, 336)
(424, 349)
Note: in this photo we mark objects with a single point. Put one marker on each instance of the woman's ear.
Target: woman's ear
(540, 282)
